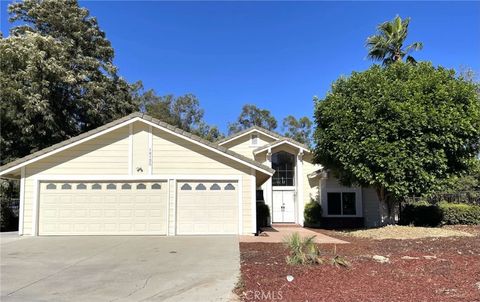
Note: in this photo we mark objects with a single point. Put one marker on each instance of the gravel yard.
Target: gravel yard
(425, 269)
(406, 232)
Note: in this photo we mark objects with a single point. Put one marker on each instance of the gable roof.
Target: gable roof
(284, 140)
(269, 133)
(136, 116)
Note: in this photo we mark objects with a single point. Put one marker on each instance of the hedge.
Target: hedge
(424, 214)
(312, 214)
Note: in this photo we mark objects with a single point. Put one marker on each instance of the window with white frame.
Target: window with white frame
(254, 139)
(341, 203)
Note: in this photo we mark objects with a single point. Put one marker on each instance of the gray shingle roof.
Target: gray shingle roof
(124, 119)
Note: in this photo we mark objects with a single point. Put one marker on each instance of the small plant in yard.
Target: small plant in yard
(303, 250)
(339, 261)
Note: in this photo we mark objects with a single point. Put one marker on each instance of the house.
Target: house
(140, 176)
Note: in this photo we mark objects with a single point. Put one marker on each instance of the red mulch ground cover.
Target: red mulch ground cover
(453, 276)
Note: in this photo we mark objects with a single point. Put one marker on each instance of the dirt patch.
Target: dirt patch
(427, 269)
(406, 232)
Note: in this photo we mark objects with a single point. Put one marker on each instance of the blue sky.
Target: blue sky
(277, 55)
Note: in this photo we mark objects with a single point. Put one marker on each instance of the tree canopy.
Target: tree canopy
(250, 116)
(183, 112)
(57, 77)
(298, 129)
(401, 129)
(387, 45)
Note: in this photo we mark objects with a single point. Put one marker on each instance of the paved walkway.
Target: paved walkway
(277, 233)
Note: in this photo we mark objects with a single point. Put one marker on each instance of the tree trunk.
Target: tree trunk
(385, 198)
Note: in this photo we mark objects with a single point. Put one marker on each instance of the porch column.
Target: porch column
(268, 187)
(300, 188)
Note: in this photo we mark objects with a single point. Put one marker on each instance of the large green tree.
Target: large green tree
(387, 44)
(402, 129)
(298, 129)
(57, 77)
(183, 111)
(250, 116)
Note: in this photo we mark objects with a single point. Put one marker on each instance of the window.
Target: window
(341, 203)
(214, 187)
(186, 187)
(96, 187)
(156, 187)
(200, 187)
(141, 187)
(254, 140)
(111, 187)
(81, 187)
(126, 187)
(51, 187)
(284, 165)
(66, 187)
(229, 187)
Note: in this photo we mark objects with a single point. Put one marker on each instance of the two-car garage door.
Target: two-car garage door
(103, 208)
(137, 208)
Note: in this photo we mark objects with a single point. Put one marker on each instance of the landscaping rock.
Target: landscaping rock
(430, 257)
(381, 259)
(289, 278)
(409, 258)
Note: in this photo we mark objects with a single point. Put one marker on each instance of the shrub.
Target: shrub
(8, 219)
(263, 215)
(312, 214)
(303, 250)
(460, 213)
(424, 214)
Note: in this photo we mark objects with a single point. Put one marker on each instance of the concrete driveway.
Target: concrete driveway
(110, 268)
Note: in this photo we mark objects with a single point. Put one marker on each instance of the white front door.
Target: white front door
(283, 206)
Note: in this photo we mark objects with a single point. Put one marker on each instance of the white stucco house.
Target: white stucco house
(140, 176)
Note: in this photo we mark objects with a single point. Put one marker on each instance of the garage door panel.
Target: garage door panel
(108, 210)
(205, 207)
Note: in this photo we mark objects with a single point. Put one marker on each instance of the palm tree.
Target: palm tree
(387, 44)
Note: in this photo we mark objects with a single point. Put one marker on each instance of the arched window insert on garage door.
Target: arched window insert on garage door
(126, 187)
(200, 187)
(156, 186)
(66, 187)
(215, 187)
(141, 187)
(81, 187)
(96, 187)
(186, 187)
(111, 187)
(51, 187)
(229, 187)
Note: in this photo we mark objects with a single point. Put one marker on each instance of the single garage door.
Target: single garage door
(207, 207)
(103, 208)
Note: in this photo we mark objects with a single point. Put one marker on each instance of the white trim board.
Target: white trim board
(21, 205)
(130, 121)
(266, 148)
(245, 133)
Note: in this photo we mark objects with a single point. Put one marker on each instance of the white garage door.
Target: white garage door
(207, 207)
(103, 208)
